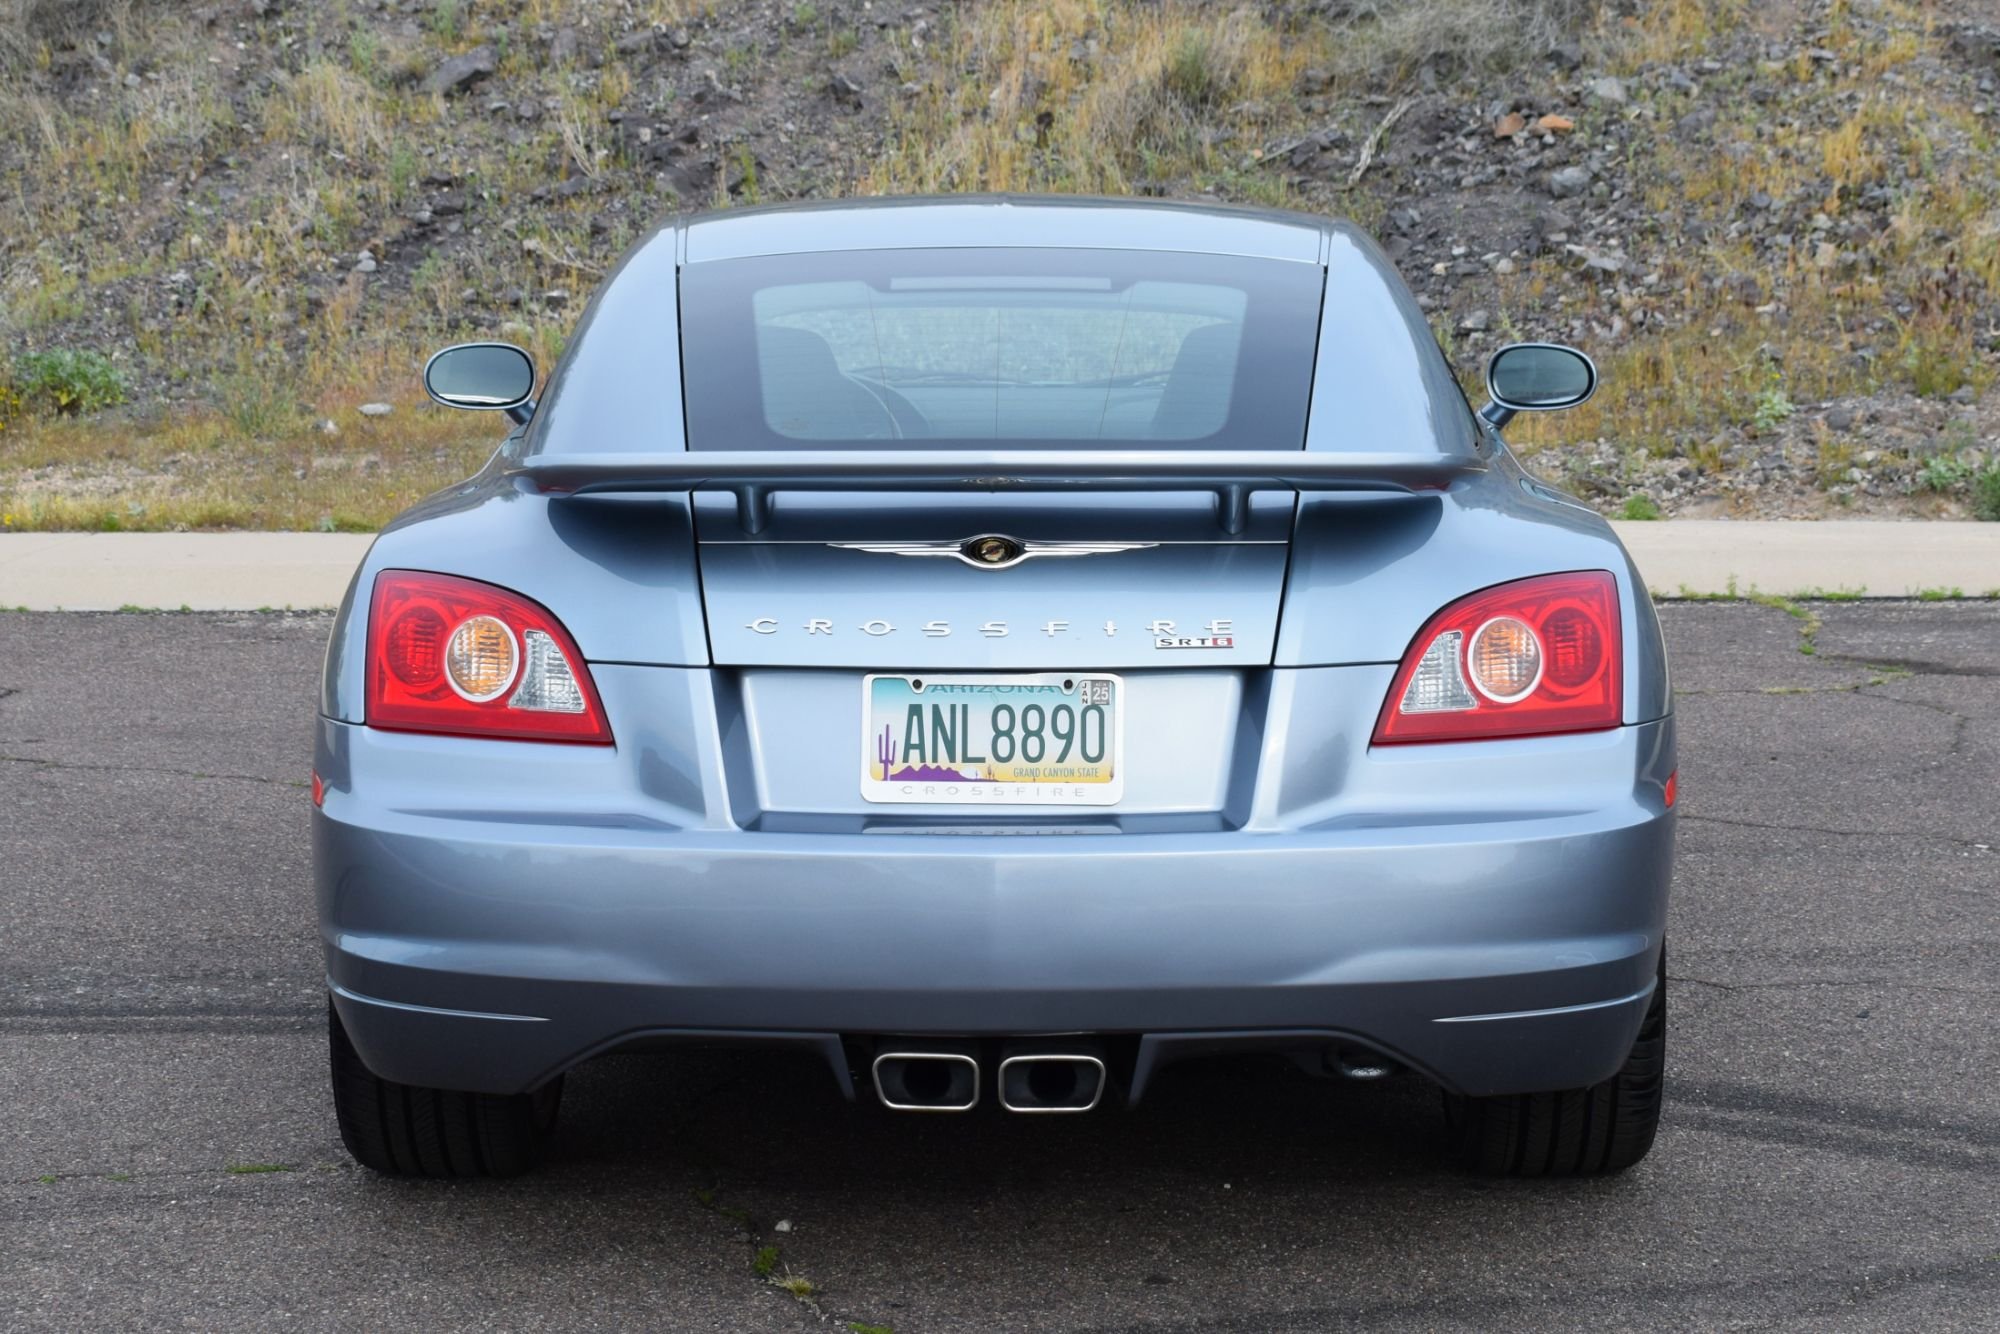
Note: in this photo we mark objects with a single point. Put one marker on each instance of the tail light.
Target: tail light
(1522, 659)
(469, 659)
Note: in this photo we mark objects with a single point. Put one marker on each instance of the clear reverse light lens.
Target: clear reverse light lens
(1438, 686)
(480, 659)
(548, 685)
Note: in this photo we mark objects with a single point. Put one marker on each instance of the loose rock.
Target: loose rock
(1569, 182)
(461, 72)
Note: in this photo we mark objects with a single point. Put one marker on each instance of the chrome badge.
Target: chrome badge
(993, 551)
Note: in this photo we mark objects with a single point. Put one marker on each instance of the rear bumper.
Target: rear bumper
(1507, 953)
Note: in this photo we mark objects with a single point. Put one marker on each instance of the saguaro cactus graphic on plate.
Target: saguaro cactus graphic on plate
(885, 750)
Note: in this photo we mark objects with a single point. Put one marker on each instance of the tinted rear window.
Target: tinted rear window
(1052, 348)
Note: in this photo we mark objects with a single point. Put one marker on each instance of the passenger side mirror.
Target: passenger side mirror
(1536, 377)
(485, 377)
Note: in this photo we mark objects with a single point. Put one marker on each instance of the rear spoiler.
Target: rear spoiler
(1231, 473)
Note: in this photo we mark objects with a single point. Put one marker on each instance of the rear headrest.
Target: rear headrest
(795, 351)
(1195, 401)
(806, 395)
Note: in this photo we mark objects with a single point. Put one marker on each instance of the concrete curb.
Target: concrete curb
(1684, 557)
(199, 571)
(1873, 558)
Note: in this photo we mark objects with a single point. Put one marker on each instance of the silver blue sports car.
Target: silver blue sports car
(1001, 646)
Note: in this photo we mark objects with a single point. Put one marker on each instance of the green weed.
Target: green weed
(1808, 618)
(1986, 493)
(1943, 473)
(364, 53)
(1773, 407)
(68, 380)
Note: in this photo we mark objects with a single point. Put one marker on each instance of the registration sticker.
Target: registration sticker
(1019, 739)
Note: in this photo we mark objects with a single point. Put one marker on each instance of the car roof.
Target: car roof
(974, 221)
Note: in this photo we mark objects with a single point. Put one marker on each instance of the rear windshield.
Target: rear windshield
(936, 348)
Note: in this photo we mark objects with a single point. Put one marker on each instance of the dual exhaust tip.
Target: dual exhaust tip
(1029, 1082)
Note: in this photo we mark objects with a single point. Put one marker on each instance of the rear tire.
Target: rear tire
(408, 1131)
(1575, 1132)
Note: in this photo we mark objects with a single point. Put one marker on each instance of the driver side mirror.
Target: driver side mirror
(1536, 377)
(484, 377)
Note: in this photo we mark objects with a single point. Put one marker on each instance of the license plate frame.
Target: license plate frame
(1077, 690)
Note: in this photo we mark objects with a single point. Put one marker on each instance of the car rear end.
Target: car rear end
(1004, 669)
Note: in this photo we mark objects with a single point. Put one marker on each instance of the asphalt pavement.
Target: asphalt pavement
(1830, 1158)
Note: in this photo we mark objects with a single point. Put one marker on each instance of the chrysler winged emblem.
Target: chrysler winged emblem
(994, 551)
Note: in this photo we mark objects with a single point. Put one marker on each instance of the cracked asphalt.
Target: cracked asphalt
(1830, 1158)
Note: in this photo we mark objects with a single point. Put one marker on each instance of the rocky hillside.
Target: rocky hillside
(235, 228)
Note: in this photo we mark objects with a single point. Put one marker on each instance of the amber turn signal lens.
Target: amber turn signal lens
(1506, 660)
(481, 658)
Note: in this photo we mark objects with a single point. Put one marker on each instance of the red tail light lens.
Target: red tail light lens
(1522, 659)
(468, 659)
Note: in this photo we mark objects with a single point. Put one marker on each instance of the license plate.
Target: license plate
(1032, 739)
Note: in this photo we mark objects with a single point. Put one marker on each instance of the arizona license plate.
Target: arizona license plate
(1036, 738)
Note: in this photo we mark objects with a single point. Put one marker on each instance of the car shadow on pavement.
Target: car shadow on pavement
(777, 1121)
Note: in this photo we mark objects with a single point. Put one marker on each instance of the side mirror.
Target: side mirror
(1536, 377)
(485, 377)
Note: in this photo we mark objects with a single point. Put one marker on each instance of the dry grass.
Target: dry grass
(1664, 30)
(1387, 40)
(1159, 93)
(329, 107)
(199, 469)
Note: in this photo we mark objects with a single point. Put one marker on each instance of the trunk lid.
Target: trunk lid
(887, 582)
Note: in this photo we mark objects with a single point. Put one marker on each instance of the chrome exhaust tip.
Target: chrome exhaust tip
(926, 1081)
(1051, 1082)
(1355, 1063)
